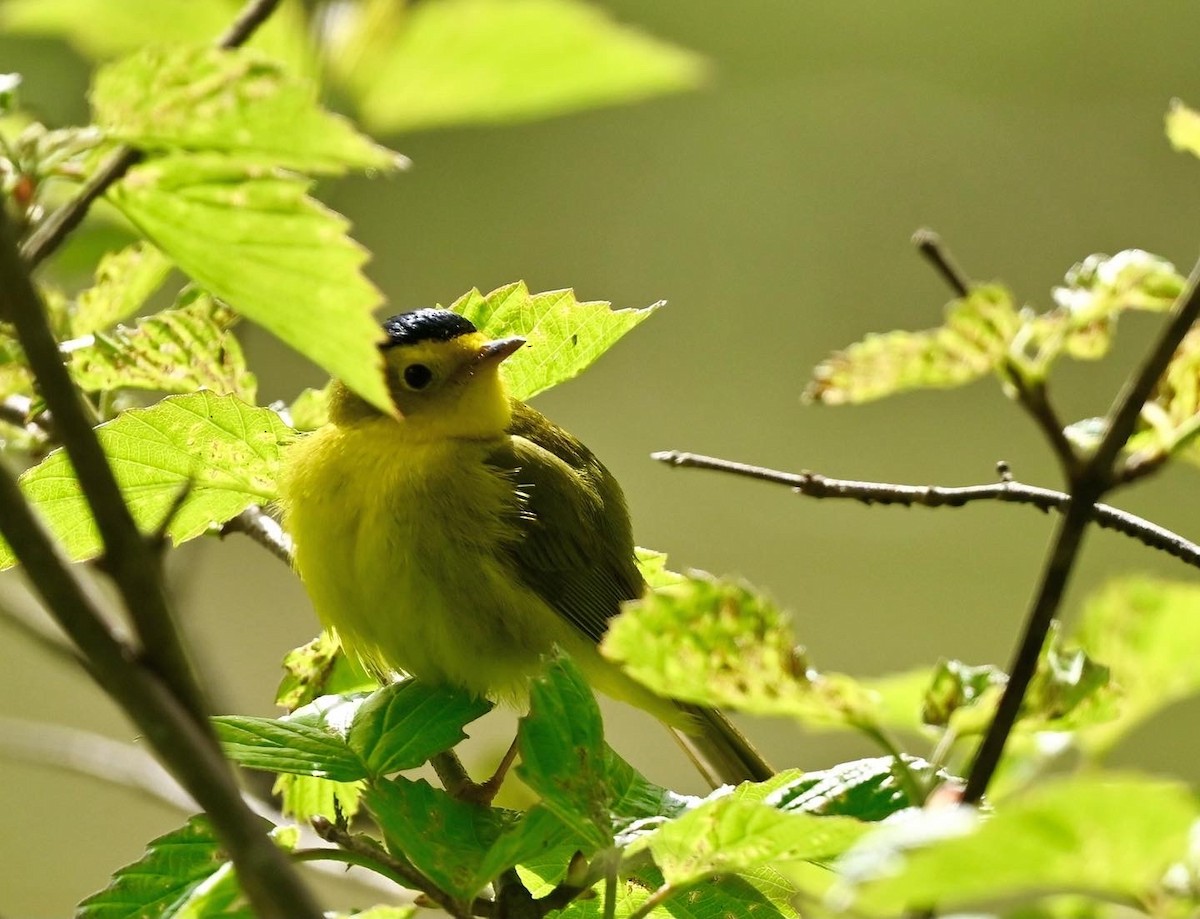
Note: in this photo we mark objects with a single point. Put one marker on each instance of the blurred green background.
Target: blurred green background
(773, 210)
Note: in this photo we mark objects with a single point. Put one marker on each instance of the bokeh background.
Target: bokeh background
(773, 210)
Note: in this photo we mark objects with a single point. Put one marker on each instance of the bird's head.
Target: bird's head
(443, 376)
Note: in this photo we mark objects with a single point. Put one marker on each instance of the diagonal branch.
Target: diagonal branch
(814, 485)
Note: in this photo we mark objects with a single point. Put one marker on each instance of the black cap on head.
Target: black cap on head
(425, 325)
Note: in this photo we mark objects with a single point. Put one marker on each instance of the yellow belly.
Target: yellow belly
(400, 546)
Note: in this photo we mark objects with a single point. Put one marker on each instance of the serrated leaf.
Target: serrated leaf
(443, 837)
(124, 281)
(402, 725)
(563, 756)
(974, 341)
(238, 102)
(303, 797)
(1146, 631)
(1183, 128)
(563, 335)
(133, 24)
(288, 746)
(177, 350)
(1170, 419)
(319, 668)
(653, 566)
(538, 832)
(728, 834)
(218, 896)
(161, 880)
(447, 62)
(252, 237)
(224, 451)
(1111, 835)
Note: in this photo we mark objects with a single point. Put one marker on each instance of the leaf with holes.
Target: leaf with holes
(974, 341)
(124, 281)
(224, 452)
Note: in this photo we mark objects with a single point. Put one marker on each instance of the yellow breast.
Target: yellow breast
(403, 549)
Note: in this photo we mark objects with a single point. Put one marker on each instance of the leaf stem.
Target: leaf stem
(815, 485)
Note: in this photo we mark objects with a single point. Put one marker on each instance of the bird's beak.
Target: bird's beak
(496, 351)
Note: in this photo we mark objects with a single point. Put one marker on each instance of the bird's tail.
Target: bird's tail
(720, 751)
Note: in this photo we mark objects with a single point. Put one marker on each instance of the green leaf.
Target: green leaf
(443, 837)
(1093, 295)
(728, 834)
(170, 98)
(1146, 631)
(252, 237)
(974, 341)
(404, 724)
(1183, 128)
(319, 668)
(133, 24)
(1170, 419)
(653, 566)
(444, 62)
(537, 833)
(216, 897)
(310, 409)
(158, 883)
(1110, 835)
(563, 757)
(226, 453)
(303, 797)
(125, 280)
(379, 912)
(866, 789)
(564, 336)
(288, 746)
(178, 350)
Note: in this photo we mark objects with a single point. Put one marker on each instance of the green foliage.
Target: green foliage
(182, 874)
(563, 335)
(125, 280)
(446, 62)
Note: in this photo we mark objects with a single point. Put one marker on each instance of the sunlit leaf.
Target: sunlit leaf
(133, 24)
(1170, 419)
(288, 746)
(310, 409)
(866, 789)
(563, 335)
(124, 282)
(974, 341)
(173, 866)
(1113, 835)
(1183, 127)
(1146, 631)
(253, 238)
(177, 350)
(224, 452)
(319, 668)
(303, 797)
(443, 62)
(171, 98)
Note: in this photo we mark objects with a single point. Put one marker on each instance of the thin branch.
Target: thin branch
(264, 530)
(182, 742)
(814, 485)
(132, 561)
(930, 245)
(1093, 480)
(55, 229)
(1033, 398)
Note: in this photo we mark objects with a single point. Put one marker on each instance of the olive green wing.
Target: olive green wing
(576, 544)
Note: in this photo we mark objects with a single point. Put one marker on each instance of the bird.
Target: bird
(465, 537)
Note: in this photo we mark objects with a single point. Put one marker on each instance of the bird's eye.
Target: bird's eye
(417, 376)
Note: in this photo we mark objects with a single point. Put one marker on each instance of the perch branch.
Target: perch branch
(814, 485)
(264, 530)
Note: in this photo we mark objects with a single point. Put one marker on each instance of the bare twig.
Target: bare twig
(55, 229)
(1090, 483)
(814, 485)
(930, 245)
(264, 530)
